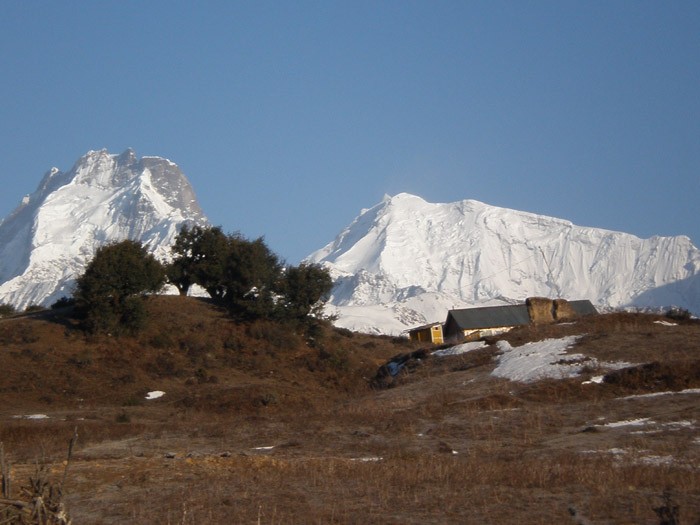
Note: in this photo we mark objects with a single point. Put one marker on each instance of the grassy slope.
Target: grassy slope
(448, 444)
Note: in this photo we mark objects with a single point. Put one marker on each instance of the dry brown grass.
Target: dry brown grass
(447, 443)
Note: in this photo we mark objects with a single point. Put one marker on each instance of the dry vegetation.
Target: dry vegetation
(259, 425)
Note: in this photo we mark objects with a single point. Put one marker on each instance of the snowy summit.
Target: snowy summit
(406, 262)
(48, 239)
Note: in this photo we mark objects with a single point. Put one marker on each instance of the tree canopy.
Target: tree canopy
(109, 293)
(245, 276)
(305, 289)
(199, 255)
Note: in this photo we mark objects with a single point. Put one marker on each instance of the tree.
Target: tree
(251, 277)
(245, 276)
(237, 273)
(305, 290)
(110, 292)
(199, 256)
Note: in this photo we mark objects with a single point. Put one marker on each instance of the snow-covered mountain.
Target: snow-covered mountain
(405, 262)
(48, 239)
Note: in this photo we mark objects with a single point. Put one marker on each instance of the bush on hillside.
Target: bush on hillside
(110, 293)
(34, 308)
(678, 314)
(7, 310)
(63, 302)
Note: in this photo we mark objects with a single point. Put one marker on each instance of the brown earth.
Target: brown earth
(260, 425)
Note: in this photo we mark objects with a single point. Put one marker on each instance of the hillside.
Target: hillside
(258, 425)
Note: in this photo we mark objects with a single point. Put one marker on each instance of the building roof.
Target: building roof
(490, 316)
(583, 307)
(510, 315)
(423, 327)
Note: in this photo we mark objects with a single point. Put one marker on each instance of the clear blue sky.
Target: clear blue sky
(288, 117)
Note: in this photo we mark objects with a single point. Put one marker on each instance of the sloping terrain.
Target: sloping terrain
(259, 425)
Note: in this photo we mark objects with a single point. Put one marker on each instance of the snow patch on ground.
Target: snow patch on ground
(595, 380)
(540, 360)
(630, 423)
(547, 359)
(636, 457)
(459, 349)
(155, 394)
(668, 393)
(32, 416)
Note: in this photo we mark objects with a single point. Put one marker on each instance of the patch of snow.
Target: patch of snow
(666, 323)
(677, 425)
(540, 360)
(264, 448)
(155, 394)
(459, 349)
(635, 457)
(668, 427)
(617, 451)
(667, 393)
(32, 416)
(656, 461)
(595, 380)
(630, 423)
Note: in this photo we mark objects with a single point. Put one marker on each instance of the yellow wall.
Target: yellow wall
(431, 334)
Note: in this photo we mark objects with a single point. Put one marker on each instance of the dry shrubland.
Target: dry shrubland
(262, 424)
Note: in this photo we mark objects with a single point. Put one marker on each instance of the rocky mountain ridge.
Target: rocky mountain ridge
(48, 239)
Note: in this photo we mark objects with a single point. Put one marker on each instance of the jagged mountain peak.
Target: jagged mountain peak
(48, 239)
(406, 261)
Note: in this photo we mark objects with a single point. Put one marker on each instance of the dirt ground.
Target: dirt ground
(262, 426)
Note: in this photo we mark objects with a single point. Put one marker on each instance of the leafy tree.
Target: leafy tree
(110, 292)
(305, 289)
(236, 272)
(251, 275)
(245, 276)
(199, 256)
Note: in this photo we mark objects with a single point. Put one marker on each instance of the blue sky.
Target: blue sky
(289, 117)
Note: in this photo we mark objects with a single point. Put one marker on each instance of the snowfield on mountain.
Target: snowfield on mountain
(46, 242)
(406, 262)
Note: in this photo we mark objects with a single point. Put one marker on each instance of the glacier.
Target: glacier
(47, 241)
(406, 262)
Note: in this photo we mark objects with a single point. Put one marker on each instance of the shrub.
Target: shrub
(110, 293)
(678, 314)
(63, 302)
(7, 310)
(34, 308)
